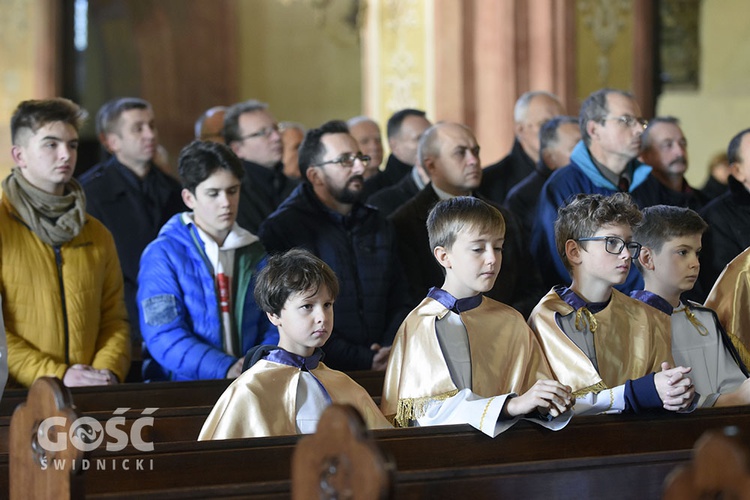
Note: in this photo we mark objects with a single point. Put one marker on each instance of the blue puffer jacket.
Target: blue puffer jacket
(581, 176)
(361, 249)
(178, 306)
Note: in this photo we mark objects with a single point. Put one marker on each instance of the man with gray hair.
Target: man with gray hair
(557, 138)
(603, 162)
(531, 111)
(253, 134)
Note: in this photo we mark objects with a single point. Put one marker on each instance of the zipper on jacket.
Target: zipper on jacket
(59, 262)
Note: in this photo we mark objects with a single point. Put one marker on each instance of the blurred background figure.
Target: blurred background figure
(718, 171)
(367, 134)
(291, 137)
(210, 125)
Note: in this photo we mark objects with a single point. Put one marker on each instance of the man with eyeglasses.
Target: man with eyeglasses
(326, 216)
(603, 162)
(253, 134)
(450, 155)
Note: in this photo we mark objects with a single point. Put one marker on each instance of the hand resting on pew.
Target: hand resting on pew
(675, 389)
(545, 396)
(80, 375)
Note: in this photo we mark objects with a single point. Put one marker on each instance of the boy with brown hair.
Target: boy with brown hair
(671, 239)
(460, 357)
(600, 342)
(284, 389)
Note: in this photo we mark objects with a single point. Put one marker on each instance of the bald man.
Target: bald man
(532, 110)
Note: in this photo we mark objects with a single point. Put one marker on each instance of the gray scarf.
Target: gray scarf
(54, 219)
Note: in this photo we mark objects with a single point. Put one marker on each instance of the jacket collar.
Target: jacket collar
(581, 157)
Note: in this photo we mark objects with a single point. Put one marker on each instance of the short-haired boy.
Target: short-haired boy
(197, 313)
(285, 388)
(671, 239)
(600, 342)
(460, 357)
(729, 298)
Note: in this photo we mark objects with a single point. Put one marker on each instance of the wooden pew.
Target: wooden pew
(162, 394)
(591, 447)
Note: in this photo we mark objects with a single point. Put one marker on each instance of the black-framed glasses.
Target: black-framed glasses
(614, 245)
(264, 132)
(347, 160)
(628, 121)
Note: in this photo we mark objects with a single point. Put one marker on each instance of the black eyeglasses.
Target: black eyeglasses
(614, 245)
(264, 132)
(628, 121)
(347, 160)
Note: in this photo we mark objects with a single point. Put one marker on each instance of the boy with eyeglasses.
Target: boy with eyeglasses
(671, 238)
(600, 342)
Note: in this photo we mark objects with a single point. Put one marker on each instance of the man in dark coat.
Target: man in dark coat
(404, 129)
(531, 111)
(253, 134)
(324, 215)
(128, 193)
(728, 216)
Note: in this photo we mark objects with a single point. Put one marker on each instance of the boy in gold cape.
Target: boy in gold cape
(729, 298)
(460, 357)
(600, 342)
(671, 239)
(285, 388)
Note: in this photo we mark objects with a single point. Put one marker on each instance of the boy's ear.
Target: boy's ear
(188, 198)
(274, 319)
(573, 252)
(441, 255)
(646, 258)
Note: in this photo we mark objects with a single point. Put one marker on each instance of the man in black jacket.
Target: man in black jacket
(728, 216)
(253, 134)
(404, 130)
(531, 111)
(324, 215)
(128, 193)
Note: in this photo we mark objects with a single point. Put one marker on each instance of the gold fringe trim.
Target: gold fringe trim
(598, 387)
(583, 315)
(741, 349)
(409, 409)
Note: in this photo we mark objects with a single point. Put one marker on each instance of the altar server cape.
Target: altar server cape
(263, 402)
(505, 358)
(730, 298)
(631, 341)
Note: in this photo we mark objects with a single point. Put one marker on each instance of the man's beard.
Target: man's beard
(347, 195)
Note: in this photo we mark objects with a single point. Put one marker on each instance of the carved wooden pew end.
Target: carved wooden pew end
(340, 460)
(718, 469)
(33, 447)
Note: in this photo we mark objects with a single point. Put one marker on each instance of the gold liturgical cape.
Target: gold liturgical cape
(263, 402)
(730, 298)
(505, 358)
(631, 340)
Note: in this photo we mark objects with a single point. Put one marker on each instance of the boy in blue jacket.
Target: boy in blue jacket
(196, 307)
